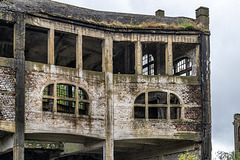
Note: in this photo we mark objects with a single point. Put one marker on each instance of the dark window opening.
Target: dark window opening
(68, 98)
(65, 49)
(157, 112)
(175, 112)
(157, 98)
(184, 59)
(123, 58)
(139, 112)
(174, 99)
(48, 104)
(92, 53)
(140, 99)
(153, 60)
(36, 44)
(6, 39)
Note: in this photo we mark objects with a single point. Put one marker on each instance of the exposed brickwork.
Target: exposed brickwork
(193, 113)
(188, 126)
(7, 94)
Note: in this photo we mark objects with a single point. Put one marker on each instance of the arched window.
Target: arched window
(66, 99)
(183, 67)
(157, 105)
(148, 64)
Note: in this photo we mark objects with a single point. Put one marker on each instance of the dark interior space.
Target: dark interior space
(123, 58)
(92, 53)
(36, 44)
(184, 59)
(6, 39)
(65, 49)
(153, 58)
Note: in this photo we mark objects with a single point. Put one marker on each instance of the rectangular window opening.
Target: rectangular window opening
(64, 106)
(48, 104)
(92, 53)
(175, 112)
(65, 49)
(36, 44)
(6, 39)
(184, 59)
(83, 108)
(139, 112)
(157, 112)
(123, 58)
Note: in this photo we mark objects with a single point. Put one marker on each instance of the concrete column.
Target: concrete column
(206, 98)
(138, 57)
(51, 45)
(79, 62)
(169, 57)
(198, 59)
(108, 53)
(19, 47)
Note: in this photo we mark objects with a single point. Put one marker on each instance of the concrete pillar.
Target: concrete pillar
(138, 57)
(198, 59)
(206, 98)
(79, 62)
(51, 45)
(236, 132)
(169, 57)
(108, 53)
(202, 16)
(19, 47)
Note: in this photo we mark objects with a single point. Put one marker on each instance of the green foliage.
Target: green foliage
(187, 156)
(131, 23)
(186, 24)
(221, 155)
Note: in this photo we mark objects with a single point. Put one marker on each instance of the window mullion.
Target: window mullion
(55, 97)
(168, 108)
(77, 101)
(146, 102)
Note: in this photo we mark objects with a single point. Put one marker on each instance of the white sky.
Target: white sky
(225, 48)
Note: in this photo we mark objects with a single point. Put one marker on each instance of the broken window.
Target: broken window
(158, 104)
(184, 59)
(92, 53)
(36, 44)
(66, 99)
(6, 39)
(123, 58)
(65, 49)
(153, 59)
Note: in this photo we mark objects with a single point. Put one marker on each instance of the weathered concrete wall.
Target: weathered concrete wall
(126, 89)
(38, 76)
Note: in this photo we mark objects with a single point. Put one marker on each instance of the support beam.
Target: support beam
(51, 45)
(138, 57)
(169, 57)
(108, 52)
(79, 62)
(19, 47)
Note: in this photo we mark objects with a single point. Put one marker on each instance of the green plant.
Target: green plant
(187, 156)
(221, 155)
(186, 24)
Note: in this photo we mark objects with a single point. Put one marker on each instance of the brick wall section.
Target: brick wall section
(194, 113)
(92, 125)
(7, 94)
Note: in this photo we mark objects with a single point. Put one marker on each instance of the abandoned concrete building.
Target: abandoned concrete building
(83, 84)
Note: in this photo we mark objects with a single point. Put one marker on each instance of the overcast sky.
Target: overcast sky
(225, 48)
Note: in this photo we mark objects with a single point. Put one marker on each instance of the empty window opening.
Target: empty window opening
(6, 39)
(159, 104)
(36, 44)
(184, 59)
(66, 99)
(92, 53)
(153, 59)
(123, 58)
(65, 49)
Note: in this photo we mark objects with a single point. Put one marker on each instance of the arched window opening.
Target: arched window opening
(183, 67)
(148, 64)
(67, 96)
(158, 105)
